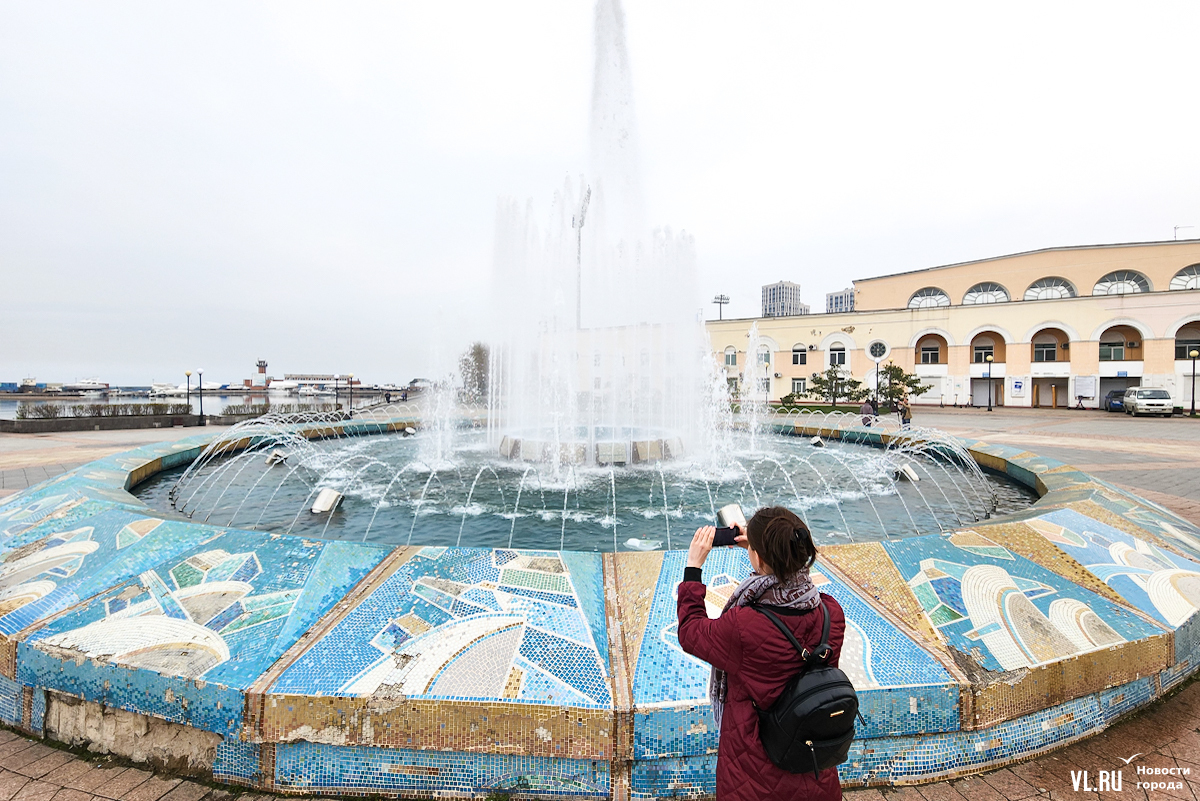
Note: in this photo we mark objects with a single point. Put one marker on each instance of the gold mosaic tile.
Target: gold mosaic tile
(1009, 695)
(387, 721)
(513, 685)
(8, 657)
(636, 577)
(413, 624)
(868, 567)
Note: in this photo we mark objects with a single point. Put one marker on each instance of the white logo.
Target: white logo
(1110, 781)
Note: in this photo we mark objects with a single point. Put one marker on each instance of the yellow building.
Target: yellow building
(1063, 325)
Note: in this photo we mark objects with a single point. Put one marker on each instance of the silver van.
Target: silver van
(1148, 400)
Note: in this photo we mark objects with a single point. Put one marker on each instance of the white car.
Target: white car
(1147, 400)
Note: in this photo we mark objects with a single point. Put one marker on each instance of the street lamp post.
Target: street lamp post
(721, 301)
(336, 376)
(989, 359)
(1194, 353)
(350, 388)
(577, 224)
(188, 373)
(200, 389)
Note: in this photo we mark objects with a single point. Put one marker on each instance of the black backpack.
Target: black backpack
(811, 725)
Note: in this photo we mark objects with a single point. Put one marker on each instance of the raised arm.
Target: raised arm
(719, 641)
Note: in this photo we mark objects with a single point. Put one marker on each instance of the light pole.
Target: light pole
(188, 373)
(1194, 353)
(350, 388)
(200, 389)
(721, 301)
(336, 376)
(577, 224)
(989, 358)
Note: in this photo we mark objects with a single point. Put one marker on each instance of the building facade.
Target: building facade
(837, 302)
(782, 299)
(1064, 327)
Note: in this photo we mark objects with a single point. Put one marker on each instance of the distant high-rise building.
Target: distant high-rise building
(782, 299)
(840, 301)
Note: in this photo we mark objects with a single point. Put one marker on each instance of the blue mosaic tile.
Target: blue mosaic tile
(327, 768)
(12, 703)
(238, 762)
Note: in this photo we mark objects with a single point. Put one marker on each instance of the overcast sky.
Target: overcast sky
(192, 185)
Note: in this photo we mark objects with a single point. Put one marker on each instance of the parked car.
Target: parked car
(1114, 401)
(1148, 400)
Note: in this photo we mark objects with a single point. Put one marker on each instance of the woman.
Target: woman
(752, 661)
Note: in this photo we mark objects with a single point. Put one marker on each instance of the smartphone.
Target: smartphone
(725, 536)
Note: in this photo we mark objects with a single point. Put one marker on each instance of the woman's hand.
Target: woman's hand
(702, 542)
(741, 540)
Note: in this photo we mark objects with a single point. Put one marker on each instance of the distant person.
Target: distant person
(404, 395)
(904, 409)
(867, 411)
(387, 397)
(751, 659)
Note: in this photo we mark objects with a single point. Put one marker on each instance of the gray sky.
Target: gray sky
(204, 184)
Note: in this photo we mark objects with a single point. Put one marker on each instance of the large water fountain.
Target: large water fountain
(599, 355)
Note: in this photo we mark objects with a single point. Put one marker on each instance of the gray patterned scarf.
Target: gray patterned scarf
(799, 593)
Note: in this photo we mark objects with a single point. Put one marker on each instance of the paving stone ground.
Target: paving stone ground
(1156, 457)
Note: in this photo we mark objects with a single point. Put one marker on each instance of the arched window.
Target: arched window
(799, 354)
(764, 355)
(928, 298)
(1187, 339)
(982, 347)
(730, 357)
(1052, 288)
(1187, 278)
(986, 292)
(1121, 282)
(837, 355)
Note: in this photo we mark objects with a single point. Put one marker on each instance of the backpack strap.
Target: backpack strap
(822, 651)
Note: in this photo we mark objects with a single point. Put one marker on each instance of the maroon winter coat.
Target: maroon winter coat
(760, 662)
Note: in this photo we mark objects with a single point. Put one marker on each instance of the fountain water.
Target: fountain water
(602, 388)
(597, 356)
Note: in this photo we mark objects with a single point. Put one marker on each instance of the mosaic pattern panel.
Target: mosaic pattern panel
(1003, 610)
(469, 623)
(215, 614)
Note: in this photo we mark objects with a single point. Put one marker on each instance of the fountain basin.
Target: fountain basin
(353, 667)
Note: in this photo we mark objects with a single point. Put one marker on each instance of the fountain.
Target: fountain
(432, 599)
(598, 352)
(446, 486)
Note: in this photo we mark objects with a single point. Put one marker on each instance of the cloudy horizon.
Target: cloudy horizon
(189, 186)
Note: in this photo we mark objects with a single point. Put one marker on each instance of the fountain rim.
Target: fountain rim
(988, 457)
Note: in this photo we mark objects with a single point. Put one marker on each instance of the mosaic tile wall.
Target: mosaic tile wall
(332, 667)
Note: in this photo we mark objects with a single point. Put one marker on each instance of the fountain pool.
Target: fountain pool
(425, 490)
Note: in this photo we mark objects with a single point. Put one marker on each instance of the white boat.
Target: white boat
(307, 392)
(87, 385)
